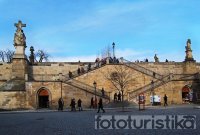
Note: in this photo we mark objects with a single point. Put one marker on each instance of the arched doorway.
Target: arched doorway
(186, 93)
(43, 98)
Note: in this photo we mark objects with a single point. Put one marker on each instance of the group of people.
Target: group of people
(117, 97)
(94, 104)
(73, 104)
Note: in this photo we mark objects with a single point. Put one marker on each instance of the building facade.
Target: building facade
(27, 84)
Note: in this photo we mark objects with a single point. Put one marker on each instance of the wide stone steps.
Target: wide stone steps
(86, 87)
(150, 86)
(141, 69)
(164, 80)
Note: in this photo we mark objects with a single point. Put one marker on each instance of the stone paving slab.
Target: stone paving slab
(53, 122)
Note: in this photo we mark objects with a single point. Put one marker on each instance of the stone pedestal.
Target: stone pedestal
(190, 67)
(19, 68)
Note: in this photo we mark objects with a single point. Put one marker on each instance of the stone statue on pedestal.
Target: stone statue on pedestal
(188, 51)
(19, 41)
(19, 38)
(156, 58)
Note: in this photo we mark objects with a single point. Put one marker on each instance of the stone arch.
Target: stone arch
(43, 98)
(186, 93)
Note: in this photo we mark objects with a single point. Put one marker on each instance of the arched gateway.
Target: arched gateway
(43, 98)
(186, 94)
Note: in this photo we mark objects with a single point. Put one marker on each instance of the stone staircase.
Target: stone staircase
(150, 86)
(141, 69)
(86, 87)
(71, 81)
(171, 77)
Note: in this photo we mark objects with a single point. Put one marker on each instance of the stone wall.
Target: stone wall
(13, 100)
(5, 71)
(29, 98)
(54, 88)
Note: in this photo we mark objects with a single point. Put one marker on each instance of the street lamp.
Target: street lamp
(95, 100)
(95, 86)
(152, 91)
(60, 79)
(113, 44)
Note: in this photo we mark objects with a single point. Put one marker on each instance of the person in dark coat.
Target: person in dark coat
(92, 103)
(100, 106)
(60, 104)
(70, 74)
(115, 97)
(119, 96)
(103, 92)
(73, 105)
(79, 71)
(165, 100)
(79, 105)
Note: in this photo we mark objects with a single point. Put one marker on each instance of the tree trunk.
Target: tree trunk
(122, 100)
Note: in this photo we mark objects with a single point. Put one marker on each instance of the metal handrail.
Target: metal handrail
(141, 69)
(87, 87)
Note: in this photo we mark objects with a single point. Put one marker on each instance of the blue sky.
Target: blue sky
(72, 30)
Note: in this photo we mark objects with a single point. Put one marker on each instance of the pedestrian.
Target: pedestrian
(60, 104)
(115, 97)
(79, 105)
(119, 96)
(79, 71)
(82, 70)
(103, 92)
(165, 100)
(92, 103)
(73, 105)
(100, 106)
(89, 66)
(70, 74)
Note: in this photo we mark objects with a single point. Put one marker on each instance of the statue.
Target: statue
(19, 38)
(156, 58)
(32, 56)
(188, 51)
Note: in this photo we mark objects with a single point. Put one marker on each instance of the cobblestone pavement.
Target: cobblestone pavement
(83, 123)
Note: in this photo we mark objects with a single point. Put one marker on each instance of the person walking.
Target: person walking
(100, 106)
(115, 97)
(165, 100)
(92, 103)
(62, 104)
(119, 96)
(59, 104)
(79, 105)
(103, 92)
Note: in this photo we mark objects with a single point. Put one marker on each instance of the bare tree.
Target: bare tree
(6, 56)
(120, 76)
(42, 56)
(9, 55)
(106, 52)
(2, 56)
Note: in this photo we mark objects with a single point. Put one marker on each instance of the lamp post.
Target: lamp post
(113, 44)
(95, 99)
(95, 86)
(60, 79)
(152, 91)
